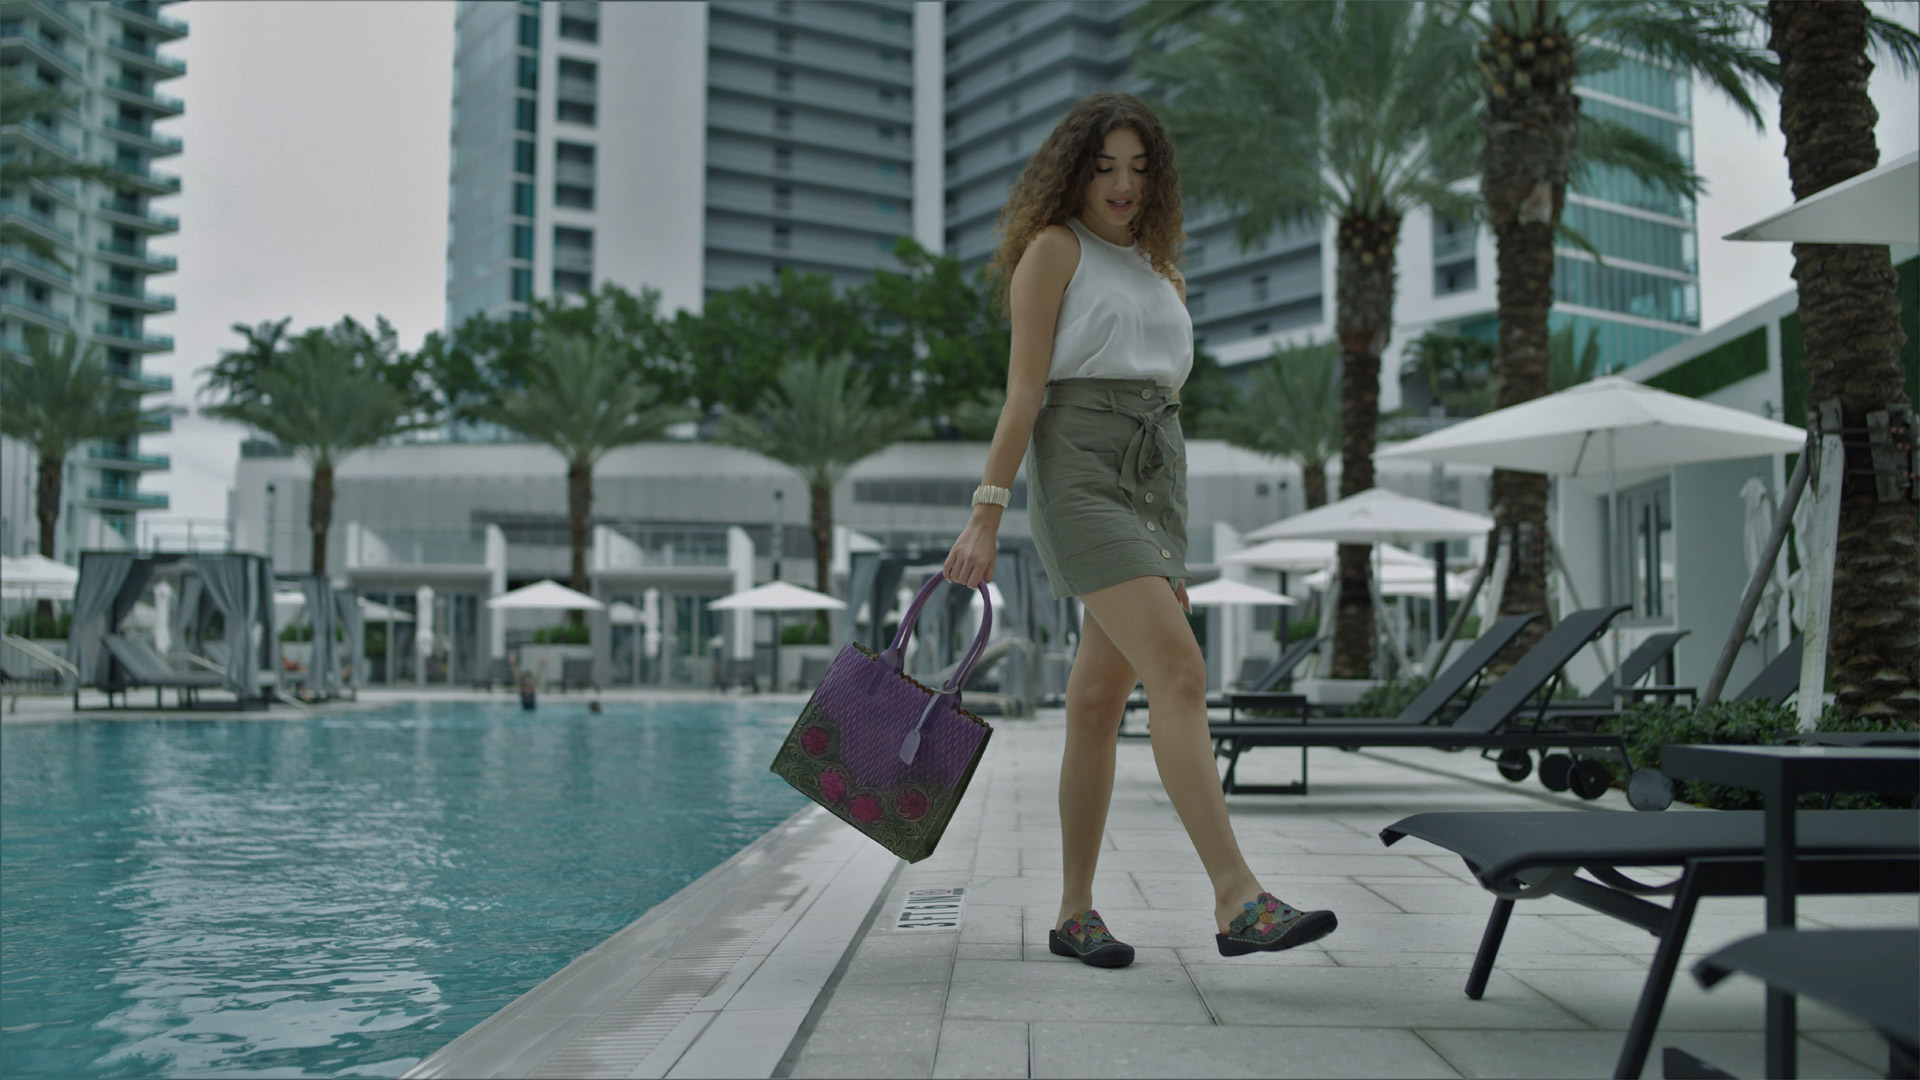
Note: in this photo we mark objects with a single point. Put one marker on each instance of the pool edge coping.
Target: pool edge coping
(716, 980)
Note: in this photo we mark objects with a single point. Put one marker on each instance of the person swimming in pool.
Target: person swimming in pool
(1087, 264)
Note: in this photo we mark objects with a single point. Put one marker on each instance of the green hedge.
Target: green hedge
(1722, 365)
(34, 624)
(1651, 725)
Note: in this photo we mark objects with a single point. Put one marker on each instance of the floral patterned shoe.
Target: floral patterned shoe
(1270, 924)
(1095, 945)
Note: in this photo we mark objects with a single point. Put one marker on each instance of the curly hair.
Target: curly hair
(1049, 191)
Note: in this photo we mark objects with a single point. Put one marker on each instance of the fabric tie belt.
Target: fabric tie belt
(1144, 462)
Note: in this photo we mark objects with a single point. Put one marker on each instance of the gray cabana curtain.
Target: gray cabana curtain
(268, 642)
(102, 575)
(347, 614)
(321, 676)
(229, 581)
(188, 622)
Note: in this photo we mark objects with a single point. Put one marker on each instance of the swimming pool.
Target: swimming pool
(342, 895)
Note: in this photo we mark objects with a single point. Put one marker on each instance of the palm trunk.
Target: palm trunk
(1363, 322)
(1313, 476)
(822, 498)
(47, 508)
(1532, 118)
(1850, 314)
(579, 519)
(320, 514)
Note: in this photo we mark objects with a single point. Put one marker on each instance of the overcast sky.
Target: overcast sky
(315, 186)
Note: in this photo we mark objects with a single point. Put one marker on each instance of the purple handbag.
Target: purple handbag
(885, 753)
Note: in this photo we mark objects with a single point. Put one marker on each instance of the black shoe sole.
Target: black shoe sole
(1117, 954)
(1311, 926)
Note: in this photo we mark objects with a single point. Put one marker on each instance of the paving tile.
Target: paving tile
(1606, 999)
(1706, 934)
(991, 952)
(740, 1042)
(865, 1046)
(990, 924)
(1460, 898)
(1311, 996)
(881, 942)
(1178, 1050)
(998, 990)
(1516, 960)
(784, 981)
(866, 969)
(1194, 892)
(987, 1049)
(1288, 865)
(1311, 955)
(887, 999)
(1372, 932)
(1867, 1048)
(1112, 888)
(1554, 1055)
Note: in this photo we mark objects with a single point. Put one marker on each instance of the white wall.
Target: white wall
(929, 124)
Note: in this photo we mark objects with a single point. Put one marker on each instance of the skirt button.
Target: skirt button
(1149, 496)
(1165, 554)
(1150, 526)
(1146, 393)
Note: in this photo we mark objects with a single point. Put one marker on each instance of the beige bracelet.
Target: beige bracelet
(988, 493)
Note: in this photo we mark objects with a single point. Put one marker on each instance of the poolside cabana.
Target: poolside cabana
(234, 587)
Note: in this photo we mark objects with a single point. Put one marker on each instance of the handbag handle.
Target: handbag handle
(894, 656)
(893, 659)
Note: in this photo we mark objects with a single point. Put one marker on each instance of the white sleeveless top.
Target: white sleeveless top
(1120, 319)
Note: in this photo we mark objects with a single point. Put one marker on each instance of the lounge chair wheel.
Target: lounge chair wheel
(1515, 764)
(1556, 771)
(1649, 789)
(1590, 779)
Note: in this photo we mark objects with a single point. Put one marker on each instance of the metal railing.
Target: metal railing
(134, 292)
(35, 669)
(138, 498)
(125, 332)
(136, 251)
(117, 453)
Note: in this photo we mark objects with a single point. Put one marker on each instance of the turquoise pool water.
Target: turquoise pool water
(342, 896)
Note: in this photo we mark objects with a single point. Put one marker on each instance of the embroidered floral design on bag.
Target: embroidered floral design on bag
(901, 816)
(814, 740)
(865, 809)
(832, 786)
(911, 804)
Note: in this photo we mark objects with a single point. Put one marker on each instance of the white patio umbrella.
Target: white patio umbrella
(287, 603)
(548, 595)
(1226, 592)
(1294, 556)
(1399, 580)
(776, 597)
(1607, 425)
(1377, 516)
(1880, 206)
(36, 577)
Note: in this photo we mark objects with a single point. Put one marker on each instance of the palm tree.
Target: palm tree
(1291, 409)
(820, 420)
(323, 401)
(1531, 52)
(20, 103)
(1287, 114)
(581, 397)
(1457, 370)
(59, 396)
(1568, 365)
(1850, 316)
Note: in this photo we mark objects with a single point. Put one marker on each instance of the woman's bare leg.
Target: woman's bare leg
(1096, 699)
(1144, 621)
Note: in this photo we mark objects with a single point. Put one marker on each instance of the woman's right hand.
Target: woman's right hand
(970, 563)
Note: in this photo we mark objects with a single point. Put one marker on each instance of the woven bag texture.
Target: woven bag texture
(844, 753)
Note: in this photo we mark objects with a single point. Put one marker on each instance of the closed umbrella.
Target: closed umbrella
(1880, 206)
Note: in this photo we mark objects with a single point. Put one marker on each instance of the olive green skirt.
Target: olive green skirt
(1107, 484)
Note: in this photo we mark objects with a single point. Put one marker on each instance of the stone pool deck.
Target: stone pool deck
(785, 961)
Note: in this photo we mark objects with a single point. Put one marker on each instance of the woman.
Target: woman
(1101, 343)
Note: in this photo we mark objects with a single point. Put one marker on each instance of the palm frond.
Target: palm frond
(1713, 39)
(62, 394)
(1895, 41)
(1291, 408)
(583, 399)
(821, 420)
(1608, 142)
(320, 400)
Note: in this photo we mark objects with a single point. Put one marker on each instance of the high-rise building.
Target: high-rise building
(703, 147)
(106, 58)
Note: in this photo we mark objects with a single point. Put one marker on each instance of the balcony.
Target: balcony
(41, 225)
(139, 175)
(121, 212)
(135, 92)
(140, 135)
(41, 135)
(155, 421)
(1453, 247)
(145, 15)
(119, 458)
(136, 255)
(18, 45)
(132, 296)
(60, 11)
(142, 55)
(126, 336)
(34, 311)
(34, 266)
(112, 498)
(141, 381)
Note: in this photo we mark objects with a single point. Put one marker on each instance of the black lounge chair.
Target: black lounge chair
(576, 673)
(1487, 723)
(1643, 659)
(1269, 677)
(1529, 854)
(136, 664)
(1873, 975)
(499, 672)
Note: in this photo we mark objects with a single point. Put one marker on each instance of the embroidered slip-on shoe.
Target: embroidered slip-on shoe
(1269, 925)
(1095, 946)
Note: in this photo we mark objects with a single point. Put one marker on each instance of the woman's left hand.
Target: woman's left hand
(1180, 594)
